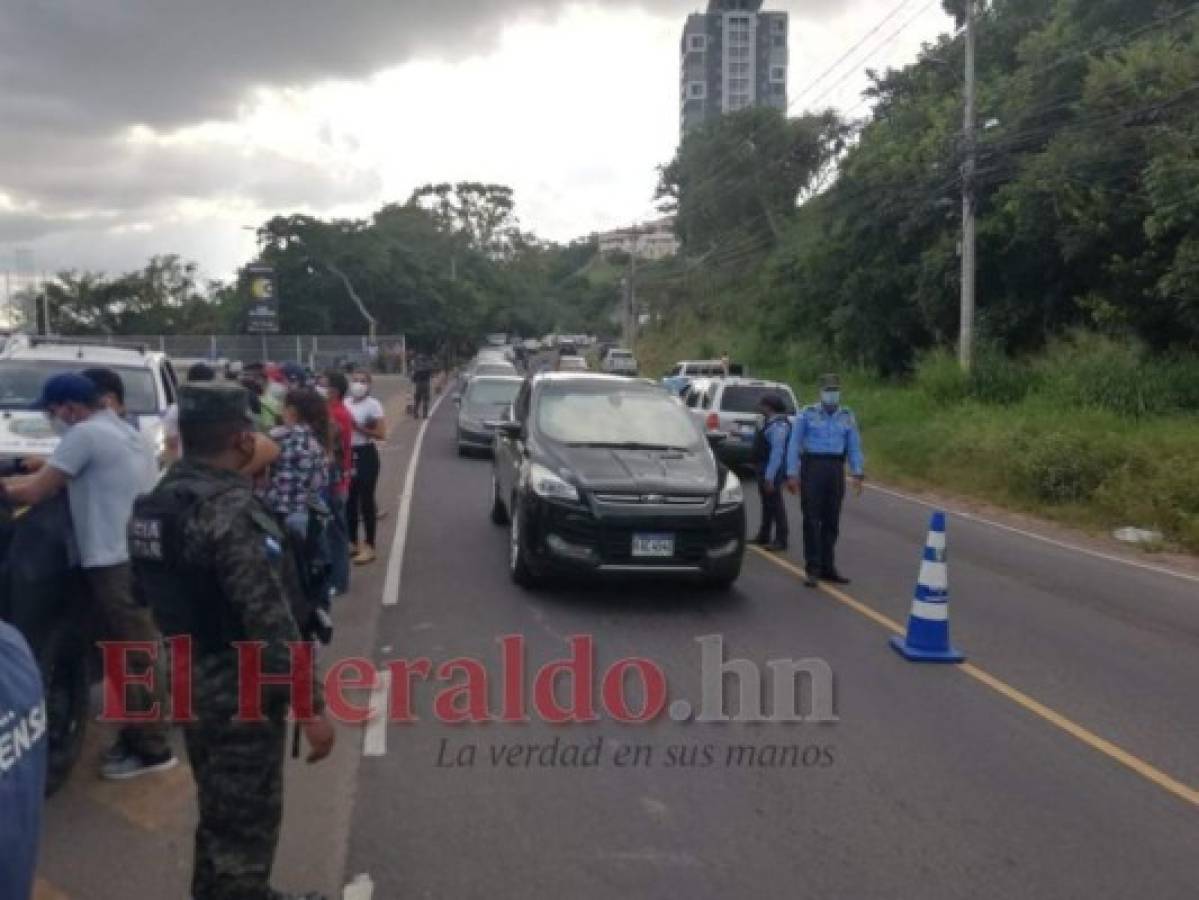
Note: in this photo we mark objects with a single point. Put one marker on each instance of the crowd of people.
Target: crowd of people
(271, 481)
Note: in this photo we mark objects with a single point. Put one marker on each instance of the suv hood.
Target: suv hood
(24, 433)
(28, 433)
(640, 471)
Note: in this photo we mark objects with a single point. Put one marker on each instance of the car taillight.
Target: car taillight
(713, 422)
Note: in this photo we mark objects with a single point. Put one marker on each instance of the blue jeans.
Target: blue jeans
(339, 546)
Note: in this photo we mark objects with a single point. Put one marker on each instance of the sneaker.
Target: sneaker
(116, 752)
(128, 764)
(365, 555)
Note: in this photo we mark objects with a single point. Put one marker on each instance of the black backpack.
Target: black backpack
(761, 448)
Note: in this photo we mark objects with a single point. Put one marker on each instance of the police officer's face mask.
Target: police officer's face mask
(830, 398)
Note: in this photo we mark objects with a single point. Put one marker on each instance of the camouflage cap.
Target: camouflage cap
(831, 382)
(214, 402)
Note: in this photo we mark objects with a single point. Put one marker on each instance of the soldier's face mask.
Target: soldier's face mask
(830, 398)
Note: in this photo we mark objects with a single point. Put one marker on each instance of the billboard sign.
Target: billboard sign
(263, 312)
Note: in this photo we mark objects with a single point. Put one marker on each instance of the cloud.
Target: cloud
(119, 113)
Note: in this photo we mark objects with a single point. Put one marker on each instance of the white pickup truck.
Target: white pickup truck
(619, 362)
(27, 362)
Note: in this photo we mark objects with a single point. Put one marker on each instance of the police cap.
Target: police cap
(831, 382)
(214, 403)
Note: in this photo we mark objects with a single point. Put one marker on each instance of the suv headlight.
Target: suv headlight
(550, 486)
(731, 494)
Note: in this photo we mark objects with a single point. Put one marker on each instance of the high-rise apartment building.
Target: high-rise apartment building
(733, 56)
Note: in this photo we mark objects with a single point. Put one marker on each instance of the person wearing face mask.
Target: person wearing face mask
(104, 465)
(111, 388)
(213, 564)
(825, 438)
(369, 426)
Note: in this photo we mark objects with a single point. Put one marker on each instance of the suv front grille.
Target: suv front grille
(682, 501)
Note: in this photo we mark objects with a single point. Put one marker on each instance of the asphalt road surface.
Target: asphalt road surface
(1061, 761)
(1057, 764)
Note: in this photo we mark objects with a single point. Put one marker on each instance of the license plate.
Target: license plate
(748, 430)
(653, 546)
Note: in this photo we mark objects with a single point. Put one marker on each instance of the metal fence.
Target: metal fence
(320, 351)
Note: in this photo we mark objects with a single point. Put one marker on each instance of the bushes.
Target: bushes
(1064, 467)
(994, 378)
(1083, 372)
(1088, 371)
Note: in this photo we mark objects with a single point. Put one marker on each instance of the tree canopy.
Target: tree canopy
(1086, 191)
(443, 268)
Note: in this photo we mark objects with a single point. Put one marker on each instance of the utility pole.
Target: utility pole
(630, 296)
(969, 262)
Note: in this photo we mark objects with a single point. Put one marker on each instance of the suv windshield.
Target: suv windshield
(21, 383)
(492, 393)
(607, 414)
(495, 368)
(739, 398)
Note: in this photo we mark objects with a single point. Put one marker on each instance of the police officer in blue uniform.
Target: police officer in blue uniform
(770, 454)
(825, 438)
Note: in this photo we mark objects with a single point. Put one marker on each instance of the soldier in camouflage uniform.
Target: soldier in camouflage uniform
(211, 561)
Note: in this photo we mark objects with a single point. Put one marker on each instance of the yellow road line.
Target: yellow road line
(1092, 740)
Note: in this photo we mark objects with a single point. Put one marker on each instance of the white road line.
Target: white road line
(395, 562)
(1062, 545)
(374, 736)
(361, 888)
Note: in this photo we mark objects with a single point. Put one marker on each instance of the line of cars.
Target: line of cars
(596, 474)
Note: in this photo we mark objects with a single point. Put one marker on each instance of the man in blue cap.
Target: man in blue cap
(104, 465)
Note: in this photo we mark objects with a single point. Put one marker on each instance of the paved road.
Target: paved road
(989, 781)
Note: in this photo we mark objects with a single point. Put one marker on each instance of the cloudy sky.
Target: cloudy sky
(134, 127)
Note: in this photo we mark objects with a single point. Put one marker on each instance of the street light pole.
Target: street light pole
(969, 259)
(372, 325)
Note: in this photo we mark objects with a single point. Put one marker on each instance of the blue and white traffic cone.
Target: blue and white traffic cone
(928, 626)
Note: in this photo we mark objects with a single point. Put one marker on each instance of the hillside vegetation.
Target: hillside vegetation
(816, 243)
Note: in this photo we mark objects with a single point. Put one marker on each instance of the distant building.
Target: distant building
(653, 240)
(733, 56)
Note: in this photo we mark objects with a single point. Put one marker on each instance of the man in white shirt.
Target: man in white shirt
(104, 465)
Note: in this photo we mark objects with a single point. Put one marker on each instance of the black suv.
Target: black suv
(597, 474)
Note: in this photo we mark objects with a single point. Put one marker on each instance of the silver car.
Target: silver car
(730, 405)
(484, 400)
